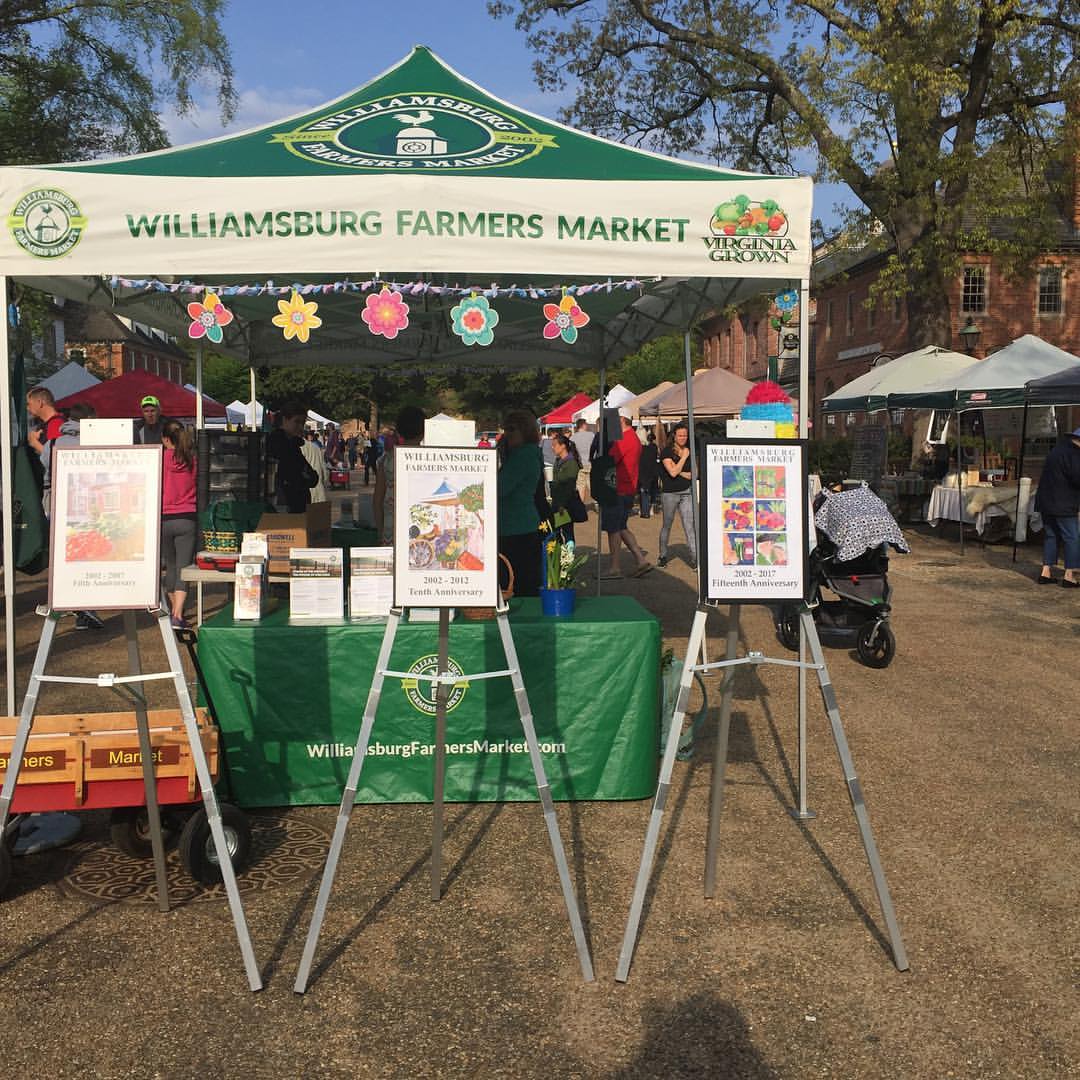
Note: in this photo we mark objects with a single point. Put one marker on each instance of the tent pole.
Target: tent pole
(198, 388)
(959, 477)
(600, 428)
(251, 397)
(802, 812)
(693, 456)
(1019, 473)
(9, 530)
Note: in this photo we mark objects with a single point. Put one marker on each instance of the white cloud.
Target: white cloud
(256, 107)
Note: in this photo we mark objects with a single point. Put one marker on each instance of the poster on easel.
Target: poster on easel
(753, 520)
(445, 529)
(105, 528)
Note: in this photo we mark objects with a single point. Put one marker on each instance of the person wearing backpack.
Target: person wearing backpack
(614, 517)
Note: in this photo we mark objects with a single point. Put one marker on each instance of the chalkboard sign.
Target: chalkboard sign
(868, 455)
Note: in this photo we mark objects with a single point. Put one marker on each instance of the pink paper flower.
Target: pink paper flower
(564, 319)
(386, 313)
(208, 318)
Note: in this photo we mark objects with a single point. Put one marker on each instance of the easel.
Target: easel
(695, 649)
(444, 682)
(129, 687)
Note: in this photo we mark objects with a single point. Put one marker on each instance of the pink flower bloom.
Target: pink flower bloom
(208, 318)
(564, 320)
(385, 313)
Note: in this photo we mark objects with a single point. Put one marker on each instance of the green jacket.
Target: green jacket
(518, 477)
(564, 482)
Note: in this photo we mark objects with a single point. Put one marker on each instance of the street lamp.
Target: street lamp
(970, 335)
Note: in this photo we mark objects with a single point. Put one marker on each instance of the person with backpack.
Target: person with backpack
(521, 474)
(615, 517)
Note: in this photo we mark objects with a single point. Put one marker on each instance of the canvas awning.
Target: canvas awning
(717, 392)
(615, 398)
(121, 397)
(339, 200)
(994, 383)
(1060, 388)
(239, 412)
(71, 378)
(872, 392)
(564, 414)
(643, 399)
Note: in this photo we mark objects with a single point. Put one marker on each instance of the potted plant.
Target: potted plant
(562, 564)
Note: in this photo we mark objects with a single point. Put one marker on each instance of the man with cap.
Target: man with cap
(148, 429)
(1058, 500)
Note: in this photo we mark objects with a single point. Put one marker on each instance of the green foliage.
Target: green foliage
(655, 362)
(86, 78)
(830, 459)
(927, 112)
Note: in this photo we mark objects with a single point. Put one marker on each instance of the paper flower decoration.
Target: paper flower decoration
(787, 300)
(297, 317)
(474, 321)
(767, 392)
(208, 318)
(385, 313)
(564, 319)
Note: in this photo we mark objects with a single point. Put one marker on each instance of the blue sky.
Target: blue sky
(290, 56)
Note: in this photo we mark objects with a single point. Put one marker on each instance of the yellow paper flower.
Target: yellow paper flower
(297, 318)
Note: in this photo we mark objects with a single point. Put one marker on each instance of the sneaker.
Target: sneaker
(87, 620)
(179, 623)
(662, 561)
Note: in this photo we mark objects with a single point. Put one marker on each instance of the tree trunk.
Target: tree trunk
(922, 249)
(373, 420)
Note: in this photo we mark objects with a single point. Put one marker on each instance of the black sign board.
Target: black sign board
(868, 455)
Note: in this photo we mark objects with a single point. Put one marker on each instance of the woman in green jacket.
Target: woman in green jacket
(520, 473)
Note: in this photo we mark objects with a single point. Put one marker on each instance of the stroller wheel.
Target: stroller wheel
(877, 644)
(787, 626)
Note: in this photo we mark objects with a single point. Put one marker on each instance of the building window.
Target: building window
(754, 341)
(828, 319)
(896, 309)
(727, 347)
(1050, 290)
(830, 419)
(871, 315)
(849, 419)
(973, 297)
(896, 416)
(850, 314)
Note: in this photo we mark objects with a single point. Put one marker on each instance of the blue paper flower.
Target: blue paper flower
(787, 300)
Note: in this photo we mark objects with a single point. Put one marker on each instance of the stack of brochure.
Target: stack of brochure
(371, 582)
(316, 583)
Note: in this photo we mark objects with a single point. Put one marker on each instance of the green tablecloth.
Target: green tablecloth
(290, 698)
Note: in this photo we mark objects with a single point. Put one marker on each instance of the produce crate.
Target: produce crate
(91, 761)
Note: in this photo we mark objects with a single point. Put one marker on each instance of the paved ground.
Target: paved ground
(967, 749)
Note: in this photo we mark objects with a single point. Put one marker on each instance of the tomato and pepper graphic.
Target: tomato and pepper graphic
(87, 545)
(771, 514)
(738, 514)
(741, 216)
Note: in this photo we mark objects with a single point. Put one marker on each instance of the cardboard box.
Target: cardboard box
(285, 531)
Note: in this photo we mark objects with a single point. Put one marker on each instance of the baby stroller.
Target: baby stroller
(854, 532)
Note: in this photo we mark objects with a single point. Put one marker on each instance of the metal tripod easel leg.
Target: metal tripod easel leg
(130, 686)
(442, 681)
(694, 650)
(828, 697)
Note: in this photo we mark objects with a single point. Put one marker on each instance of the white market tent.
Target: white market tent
(70, 379)
(239, 412)
(994, 383)
(872, 391)
(423, 183)
(615, 398)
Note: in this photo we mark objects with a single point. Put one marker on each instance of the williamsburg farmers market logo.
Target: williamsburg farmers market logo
(747, 231)
(421, 693)
(47, 223)
(416, 131)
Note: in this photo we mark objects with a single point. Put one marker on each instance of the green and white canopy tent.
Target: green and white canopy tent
(421, 181)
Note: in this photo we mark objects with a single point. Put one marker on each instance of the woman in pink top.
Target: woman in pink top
(179, 525)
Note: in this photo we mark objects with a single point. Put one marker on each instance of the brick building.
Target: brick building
(109, 345)
(847, 335)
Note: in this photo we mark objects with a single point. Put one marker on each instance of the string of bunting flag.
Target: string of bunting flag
(386, 313)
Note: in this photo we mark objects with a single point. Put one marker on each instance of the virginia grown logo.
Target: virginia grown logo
(47, 223)
(747, 231)
(421, 693)
(416, 131)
